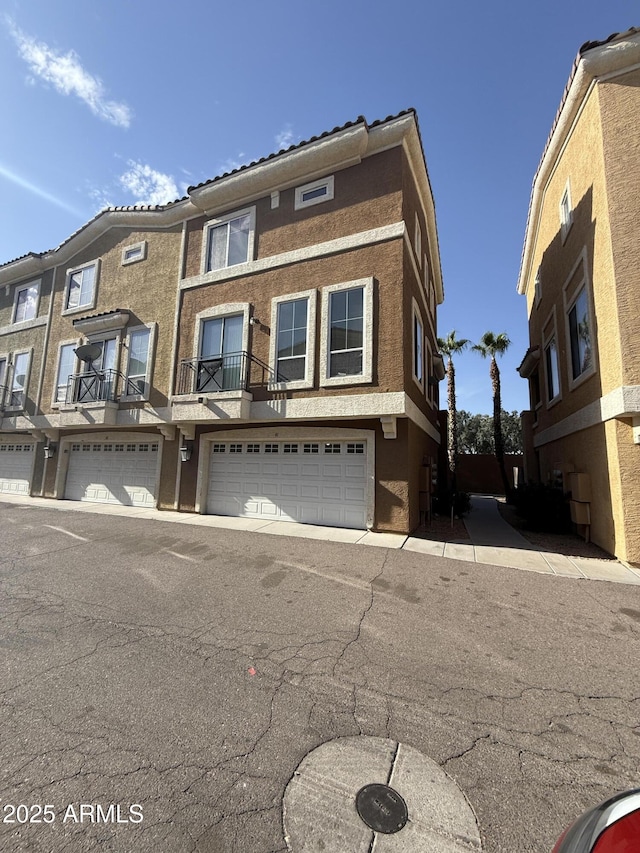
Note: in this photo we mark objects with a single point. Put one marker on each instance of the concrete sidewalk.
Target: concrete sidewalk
(492, 540)
(496, 543)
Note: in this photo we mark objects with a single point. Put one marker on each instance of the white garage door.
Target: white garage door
(16, 465)
(308, 481)
(113, 473)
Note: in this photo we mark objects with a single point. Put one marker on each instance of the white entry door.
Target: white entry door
(113, 472)
(314, 482)
(16, 466)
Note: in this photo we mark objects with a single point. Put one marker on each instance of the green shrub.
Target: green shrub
(542, 508)
(443, 500)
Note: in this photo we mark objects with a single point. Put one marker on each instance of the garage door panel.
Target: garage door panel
(16, 465)
(113, 473)
(323, 485)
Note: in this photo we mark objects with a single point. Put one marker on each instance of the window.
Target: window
(418, 339)
(81, 287)
(229, 241)
(417, 240)
(3, 380)
(134, 253)
(553, 377)
(19, 380)
(292, 340)
(347, 333)
(580, 335)
(66, 367)
(538, 287)
(138, 362)
(314, 193)
(534, 389)
(566, 213)
(26, 303)
(221, 364)
(292, 346)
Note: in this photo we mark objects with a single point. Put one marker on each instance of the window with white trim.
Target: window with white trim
(139, 341)
(66, 368)
(314, 193)
(19, 380)
(3, 381)
(347, 329)
(418, 348)
(81, 286)
(292, 347)
(291, 331)
(229, 240)
(552, 371)
(580, 335)
(25, 306)
(538, 287)
(417, 240)
(134, 253)
(566, 212)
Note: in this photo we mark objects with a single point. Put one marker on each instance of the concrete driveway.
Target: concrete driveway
(183, 673)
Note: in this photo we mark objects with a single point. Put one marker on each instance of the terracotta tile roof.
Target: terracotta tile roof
(326, 133)
(161, 207)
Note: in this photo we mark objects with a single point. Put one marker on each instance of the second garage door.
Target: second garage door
(113, 473)
(306, 481)
(16, 464)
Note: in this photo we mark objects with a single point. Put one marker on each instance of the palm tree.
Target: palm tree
(491, 345)
(451, 346)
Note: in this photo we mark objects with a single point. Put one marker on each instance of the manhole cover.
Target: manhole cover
(381, 808)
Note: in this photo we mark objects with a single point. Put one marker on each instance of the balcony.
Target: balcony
(218, 386)
(94, 397)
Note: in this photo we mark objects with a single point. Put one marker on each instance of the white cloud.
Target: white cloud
(68, 77)
(147, 185)
(285, 138)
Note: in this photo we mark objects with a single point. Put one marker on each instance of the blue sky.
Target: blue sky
(115, 102)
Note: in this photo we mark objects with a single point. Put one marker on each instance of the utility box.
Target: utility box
(580, 487)
(580, 512)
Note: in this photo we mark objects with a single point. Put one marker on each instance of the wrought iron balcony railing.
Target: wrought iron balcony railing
(236, 371)
(99, 386)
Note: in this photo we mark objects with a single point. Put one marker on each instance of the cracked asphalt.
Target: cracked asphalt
(189, 670)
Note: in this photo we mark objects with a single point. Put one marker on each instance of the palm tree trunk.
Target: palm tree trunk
(497, 425)
(452, 426)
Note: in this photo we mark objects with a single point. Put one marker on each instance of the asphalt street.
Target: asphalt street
(182, 674)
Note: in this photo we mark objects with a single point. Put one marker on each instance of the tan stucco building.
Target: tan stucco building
(264, 347)
(580, 274)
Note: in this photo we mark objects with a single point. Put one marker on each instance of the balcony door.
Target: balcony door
(98, 378)
(221, 360)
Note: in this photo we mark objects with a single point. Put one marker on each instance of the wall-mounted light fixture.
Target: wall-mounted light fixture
(50, 450)
(254, 321)
(185, 451)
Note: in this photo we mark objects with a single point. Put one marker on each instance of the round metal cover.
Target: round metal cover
(88, 352)
(381, 808)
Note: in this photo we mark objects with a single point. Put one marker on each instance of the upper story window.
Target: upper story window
(136, 252)
(580, 335)
(66, 367)
(26, 302)
(347, 329)
(417, 239)
(139, 362)
(3, 380)
(229, 240)
(292, 347)
(418, 339)
(538, 287)
(19, 380)
(314, 193)
(566, 212)
(81, 287)
(553, 375)
(292, 340)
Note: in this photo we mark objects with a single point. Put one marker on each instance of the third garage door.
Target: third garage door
(308, 481)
